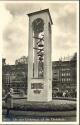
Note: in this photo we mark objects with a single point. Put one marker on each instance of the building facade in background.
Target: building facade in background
(64, 75)
(14, 76)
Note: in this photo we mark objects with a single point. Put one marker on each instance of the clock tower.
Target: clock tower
(39, 56)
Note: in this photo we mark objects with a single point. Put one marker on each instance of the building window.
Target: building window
(69, 79)
(64, 79)
(62, 74)
(68, 74)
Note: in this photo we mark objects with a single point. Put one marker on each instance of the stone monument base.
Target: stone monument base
(39, 90)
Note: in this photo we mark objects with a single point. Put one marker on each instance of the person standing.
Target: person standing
(9, 101)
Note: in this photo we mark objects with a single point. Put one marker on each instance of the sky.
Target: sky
(14, 29)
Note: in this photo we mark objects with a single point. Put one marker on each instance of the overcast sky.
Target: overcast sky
(14, 28)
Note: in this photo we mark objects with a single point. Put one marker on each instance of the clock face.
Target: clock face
(38, 25)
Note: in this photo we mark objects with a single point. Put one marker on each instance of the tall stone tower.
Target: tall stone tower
(39, 56)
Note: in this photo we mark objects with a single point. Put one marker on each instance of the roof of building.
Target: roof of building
(41, 11)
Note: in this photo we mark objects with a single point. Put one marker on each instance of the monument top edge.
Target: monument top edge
(41, 11)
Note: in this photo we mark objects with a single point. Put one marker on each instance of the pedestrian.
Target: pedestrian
(9, 102)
